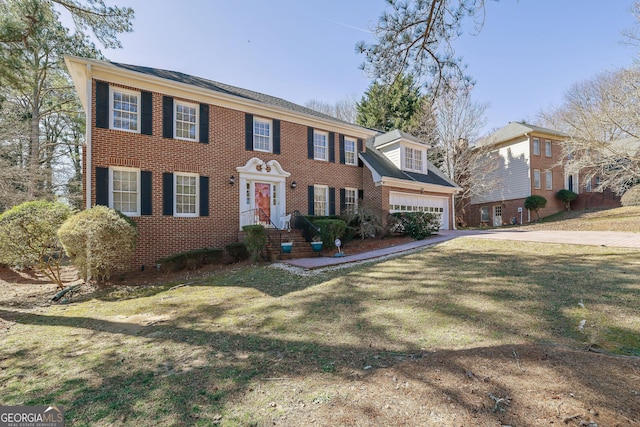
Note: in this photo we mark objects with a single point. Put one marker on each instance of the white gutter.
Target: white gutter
(88, 116)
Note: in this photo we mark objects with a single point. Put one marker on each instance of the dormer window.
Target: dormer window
(413, 159)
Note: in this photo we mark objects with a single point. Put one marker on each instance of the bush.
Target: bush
(417, 224)
(567, 196)
(28, 237)
(535, 203)
(238, 251)
(98, 240)
(191, 260)
(330, 230)
(631, 197)
(366, 221)
(256, 240)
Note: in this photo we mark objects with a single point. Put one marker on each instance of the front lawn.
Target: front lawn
(426, 338)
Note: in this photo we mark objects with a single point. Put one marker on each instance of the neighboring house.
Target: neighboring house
(193, 161)
(528, 162)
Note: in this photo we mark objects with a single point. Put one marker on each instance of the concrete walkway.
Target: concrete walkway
(593, 238)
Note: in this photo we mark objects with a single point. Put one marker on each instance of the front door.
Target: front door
(262, 200)
(497, 216)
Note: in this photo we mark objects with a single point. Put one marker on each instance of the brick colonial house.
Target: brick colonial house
(193, 160)
(529, 162)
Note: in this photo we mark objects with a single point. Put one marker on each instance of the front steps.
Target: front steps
(301, 248)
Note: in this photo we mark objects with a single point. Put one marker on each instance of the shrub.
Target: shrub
(191, 260)
(418, 224)
(238, 251)
(631, 197)
(98, 240)
(567, 196)
(256, 240)
(330, 230)
(366, 221)
(535, 203)
(28, 237)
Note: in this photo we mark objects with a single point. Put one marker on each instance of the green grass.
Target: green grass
(207, 352)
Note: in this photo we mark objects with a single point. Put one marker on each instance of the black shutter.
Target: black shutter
(146, 106)
(204, 196)
(102, 186)
(310, 142)
(167, 193)
(341, 147)
(145, 190)
(360, 164)
(332, 201)
(167, 117)
(102, 105)
(361, 194)
(204, 123)
(310, 200)
(331, 145)
(248, 132)
(276, 137)
(343, 204)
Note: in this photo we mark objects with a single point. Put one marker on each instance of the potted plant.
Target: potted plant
(286, 247)
(316, 243)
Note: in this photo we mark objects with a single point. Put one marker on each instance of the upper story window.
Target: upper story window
(185, 194)
(186, 121)
(124, 108)
(262, 134)
(536, 146)
(547, 148)
(320, 151)
(124, 194)
(350, 157)
(413, 159)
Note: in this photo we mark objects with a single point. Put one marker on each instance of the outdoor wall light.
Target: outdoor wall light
(232, 180)
(294, 184)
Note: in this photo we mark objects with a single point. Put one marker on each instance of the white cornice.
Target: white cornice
(417, 185)
(108, 72)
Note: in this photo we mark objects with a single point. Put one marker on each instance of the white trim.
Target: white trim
(138, 95)
(175, 195)
(416, 152)
(88, 135)
(196, 107)
(138, 190)
(326, 145)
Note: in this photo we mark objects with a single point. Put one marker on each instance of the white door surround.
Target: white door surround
(271, 182)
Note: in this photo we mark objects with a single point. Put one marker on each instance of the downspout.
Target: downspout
(89, 114)
(453, 210)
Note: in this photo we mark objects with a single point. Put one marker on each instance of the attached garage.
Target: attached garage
(405, 202)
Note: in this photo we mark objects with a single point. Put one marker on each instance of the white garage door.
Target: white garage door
(402, 202)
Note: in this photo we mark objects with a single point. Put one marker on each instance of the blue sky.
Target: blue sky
(527, 55)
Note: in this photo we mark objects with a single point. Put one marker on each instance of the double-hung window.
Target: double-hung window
(484, 214)
(413, 159)
(262, 134)
(548, 182)
(547, 148)
(185, 194)
(536, 178)
(124, 194)
(587, 185)
(186, 121)
(320, 200)
(350, 151)
(350, 200)
(124, 109)
(320, 145)
(536, 147)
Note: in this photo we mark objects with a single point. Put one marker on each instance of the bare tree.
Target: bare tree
(344, 109)
(602, 118)
(416, 37)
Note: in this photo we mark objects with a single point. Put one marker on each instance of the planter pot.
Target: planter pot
(286, 247)
(317, 246)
